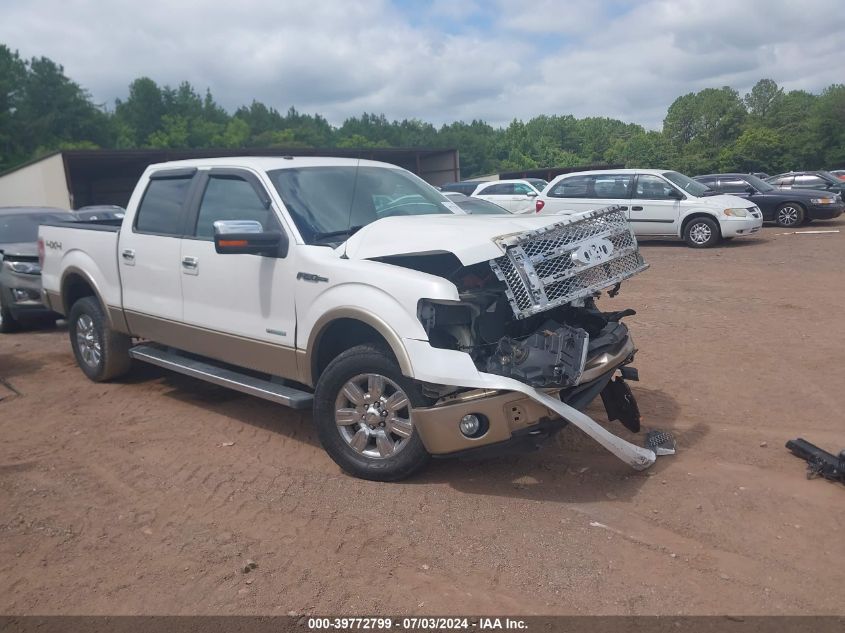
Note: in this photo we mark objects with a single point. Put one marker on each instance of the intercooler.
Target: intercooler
(567, 261)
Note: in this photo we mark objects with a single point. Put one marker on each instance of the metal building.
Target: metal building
(72, 179)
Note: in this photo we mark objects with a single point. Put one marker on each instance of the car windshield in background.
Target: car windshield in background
(538, 183)
(760, 185)
(15, 229)
(828, 176)
(333, 202)
(477, 206)
(686, 183)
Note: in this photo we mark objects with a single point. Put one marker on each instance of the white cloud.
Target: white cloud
(464, 59)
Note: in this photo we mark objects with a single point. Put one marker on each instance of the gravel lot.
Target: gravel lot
(148, 496)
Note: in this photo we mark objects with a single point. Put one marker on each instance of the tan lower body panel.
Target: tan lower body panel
(506, 412)
(275, 360)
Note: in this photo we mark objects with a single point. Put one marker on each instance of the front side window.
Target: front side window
(332, 202)
(784, 181)
(522, 189)
(733, 185)
(503, 189)
(574, 187)
(161, 208)
(230, 198)
(613, 186)
(685, 183)
(654, 188)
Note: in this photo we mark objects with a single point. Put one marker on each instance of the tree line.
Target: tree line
(716, 129)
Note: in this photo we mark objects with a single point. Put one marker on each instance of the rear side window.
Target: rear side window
(228, 198)
(575, 187)
(613, 186)
(161, 208)
(504, 189)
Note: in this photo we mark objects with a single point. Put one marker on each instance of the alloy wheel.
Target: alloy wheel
(87, 341)
(373, 416)
(700, 233)
(788, 216)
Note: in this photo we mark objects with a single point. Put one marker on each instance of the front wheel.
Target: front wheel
(702, 233)
(8, 323)
(789, 215)
(363, 409)
(101, 353)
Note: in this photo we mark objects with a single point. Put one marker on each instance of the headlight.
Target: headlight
(737, 213)
(28, 268)
(822, 200)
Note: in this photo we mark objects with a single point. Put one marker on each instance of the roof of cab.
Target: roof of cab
(268, 163)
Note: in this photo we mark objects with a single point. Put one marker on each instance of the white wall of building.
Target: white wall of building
(41, 184)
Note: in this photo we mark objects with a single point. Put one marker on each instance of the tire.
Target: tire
(8, 323)
(789, 215)
(101, 353)
(702, 232)
(383, 446)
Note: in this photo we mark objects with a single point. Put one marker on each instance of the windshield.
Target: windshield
(538, 183)
(24, 227)
(686, 183)
(477, 206)
(828, 176)
(320, 199)
(760, 185)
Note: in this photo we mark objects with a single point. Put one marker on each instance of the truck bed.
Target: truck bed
(86, 248)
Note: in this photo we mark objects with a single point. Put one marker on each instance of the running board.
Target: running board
(209, 372)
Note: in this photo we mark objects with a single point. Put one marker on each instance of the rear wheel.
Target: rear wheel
(101, 353)
(789, 215)
(363, 409)
(702, 233)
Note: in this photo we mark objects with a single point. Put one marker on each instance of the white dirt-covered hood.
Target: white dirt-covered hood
(468, 237)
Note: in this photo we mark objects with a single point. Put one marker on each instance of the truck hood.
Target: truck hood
(468, 237)
(20, 249)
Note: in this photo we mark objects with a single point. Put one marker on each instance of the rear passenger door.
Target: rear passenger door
(654, 210)
(500, 193)
(148, 253)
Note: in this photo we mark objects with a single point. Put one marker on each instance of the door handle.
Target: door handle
(128, 255)
(190, 262)
(623, 208)
(636, 208)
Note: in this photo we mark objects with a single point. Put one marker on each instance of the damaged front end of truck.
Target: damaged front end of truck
(530, 322)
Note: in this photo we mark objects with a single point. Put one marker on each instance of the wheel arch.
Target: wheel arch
(345, 328)
(699, 214)
(77, 284)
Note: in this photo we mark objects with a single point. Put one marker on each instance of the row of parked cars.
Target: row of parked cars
(666, 204)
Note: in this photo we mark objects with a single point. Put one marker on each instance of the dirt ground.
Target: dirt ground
(148, 496)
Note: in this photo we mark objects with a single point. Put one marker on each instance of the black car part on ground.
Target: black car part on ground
(820, 463)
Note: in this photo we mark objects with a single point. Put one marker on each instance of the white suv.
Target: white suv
(658, 203)
(517, 196)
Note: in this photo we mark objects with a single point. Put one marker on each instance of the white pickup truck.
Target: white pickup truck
(356, 288)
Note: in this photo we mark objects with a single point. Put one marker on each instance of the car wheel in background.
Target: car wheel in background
(8, 323)
(100, 352)
(789, 215)
(363, 409)
(702, 233)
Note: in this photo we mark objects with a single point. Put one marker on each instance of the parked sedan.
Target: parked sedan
(20, 272)
(818, 180)
(786, 207)
(475, 206)
(517, 196)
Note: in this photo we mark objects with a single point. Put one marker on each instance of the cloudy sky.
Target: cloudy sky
(441, 60)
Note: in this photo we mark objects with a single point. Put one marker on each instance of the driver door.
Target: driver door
(238, 308)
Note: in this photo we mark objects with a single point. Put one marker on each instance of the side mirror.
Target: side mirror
(750, 189)
(246, 237)
(675, 194)
(532, 194)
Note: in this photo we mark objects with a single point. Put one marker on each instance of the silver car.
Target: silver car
(20, 272)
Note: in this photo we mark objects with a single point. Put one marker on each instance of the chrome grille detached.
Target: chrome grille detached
(566, 261)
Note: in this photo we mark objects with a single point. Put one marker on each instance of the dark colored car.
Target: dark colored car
(100, 212)
(760, 174)
(786, 207)
(475, 206)
(818, 180)
(465, 187)
(20, 272)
